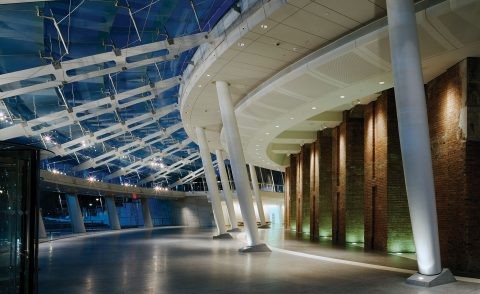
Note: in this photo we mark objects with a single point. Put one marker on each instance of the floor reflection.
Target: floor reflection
(185, 260)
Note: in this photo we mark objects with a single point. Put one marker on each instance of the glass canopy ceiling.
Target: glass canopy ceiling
(105, 120)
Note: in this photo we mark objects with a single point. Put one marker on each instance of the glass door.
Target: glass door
(18, 220)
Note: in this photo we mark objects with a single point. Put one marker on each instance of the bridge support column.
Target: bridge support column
(42, 233)
(147, 218)
(75, 213)
(112, 213)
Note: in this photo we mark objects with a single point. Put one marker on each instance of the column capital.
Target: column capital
(223, 82)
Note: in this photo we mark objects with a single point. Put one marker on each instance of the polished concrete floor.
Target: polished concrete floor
(185, 260)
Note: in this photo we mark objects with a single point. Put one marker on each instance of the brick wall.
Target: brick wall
(359, 177)
(400, 236)
(347, 139)
(286, 183)
(452, 101)
(338, 184)
(325, 183)
(472, 166)
(387, 219)
(375, 175)
(293, 193)
(314, 188)
(354, 175)
(303, 188)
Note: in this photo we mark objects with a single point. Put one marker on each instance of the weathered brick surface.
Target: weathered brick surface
(359, 177)
(375, 177)
(338, 184)
(314, 188)
(354, 176)
(293, 192)
(303, 189)
(325, 183)
(472, 205)
(387, 221)
(348, 221)
(400, 236)
(452, 101)
(286, 183)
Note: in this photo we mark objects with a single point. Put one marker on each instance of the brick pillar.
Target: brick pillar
(314, 188)
(375, 184)
(338, 185)
(303, 189)
(286, 214)
(453, 101)
(299, 192)
(470, 261)
(349, 176)
(325, 183)
(387, 219)
(293, 192)
(354, 199)
(400, 235)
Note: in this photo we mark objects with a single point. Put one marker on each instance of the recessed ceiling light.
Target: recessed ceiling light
(257, 145)
(267, 133)
(199, 86)
(314, 108)
(292, 118)
(381, 83)
(342, 96)
(241, 44)
(264, 26)
(208, 75)
(277, 126)
(294, 48)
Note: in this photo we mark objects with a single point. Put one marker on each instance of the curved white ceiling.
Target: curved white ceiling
(281, 102)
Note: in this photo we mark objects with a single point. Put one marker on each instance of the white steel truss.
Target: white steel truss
(61, 73)
(132, 147)
(112, 131)
(171, 168)
(191, 176)
(144, 162)
(86, 111)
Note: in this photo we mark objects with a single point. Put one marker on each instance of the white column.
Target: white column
(147, 218)
(75, 213)
(237, 160)
(226, 190)
(112, 213)
(42, 233)
(414, 134)
(211, 183)
(258, 199)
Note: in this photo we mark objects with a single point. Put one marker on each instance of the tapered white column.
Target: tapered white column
(258, 199)
(237, 161)
(211, 183)
(75, 213)
(226, 191)
(147, 217)
(42, 233)
(112, 213)
(414, 134)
